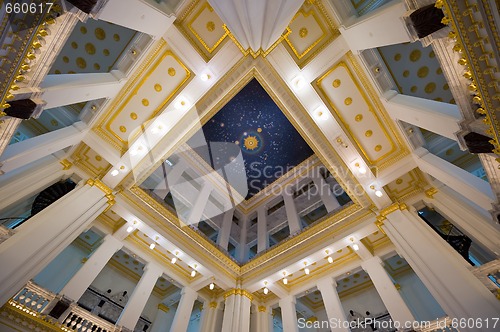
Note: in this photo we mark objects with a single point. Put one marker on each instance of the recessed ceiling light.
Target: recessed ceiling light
(298, 82)
(115, 172)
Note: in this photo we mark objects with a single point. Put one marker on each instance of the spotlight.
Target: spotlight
(174, 259)
(298, 82)
(378, 193)
(285, 281)
(130, 229)
(355, 247)
(330, 259)
(152, 246)
(205, 77)
(306, 271)
(266, 290)
(193, 273)
(114, 172)
(212, 286)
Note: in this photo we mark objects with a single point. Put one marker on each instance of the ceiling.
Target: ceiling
(253, 121)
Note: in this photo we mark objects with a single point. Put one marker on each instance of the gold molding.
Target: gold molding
(210, 49)
(66, 164)
(262, 308)
(238, 291)
(108, 193)
(431, 192)
(213, 305)
(163, 307)
(260, 51)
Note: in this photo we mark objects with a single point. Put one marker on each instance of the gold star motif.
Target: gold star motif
(251, 143)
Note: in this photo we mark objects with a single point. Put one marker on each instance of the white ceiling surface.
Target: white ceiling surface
(256, 24)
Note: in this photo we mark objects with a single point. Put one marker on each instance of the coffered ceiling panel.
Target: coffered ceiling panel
(203, 28)
(407, 185)
(89, 160)
(311, 30)
(354, 104)
(144, 96)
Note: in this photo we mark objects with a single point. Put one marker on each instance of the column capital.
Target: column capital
(262, 308)
(104, 188)
(213, 305)
(392, 208)
(431, 192)
(238, 291)
(66, 164)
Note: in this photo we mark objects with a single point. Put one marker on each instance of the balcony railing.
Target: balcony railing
(44, 307)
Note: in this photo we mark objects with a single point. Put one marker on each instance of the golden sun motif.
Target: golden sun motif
(250, 143)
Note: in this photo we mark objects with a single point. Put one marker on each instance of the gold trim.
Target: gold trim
(260, 51)
(104, 188)
(66, 164)
(431, 192)
(213, 305)
(306, 14)
(200, 39)
(163, 307)
(238, 291)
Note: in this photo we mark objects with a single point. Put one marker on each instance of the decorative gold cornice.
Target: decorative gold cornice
(66, 164)
(262, 308)
(431, 192)
(238, 291)
(163, 307)
(260, 51)
(392, 208)
(104, 188)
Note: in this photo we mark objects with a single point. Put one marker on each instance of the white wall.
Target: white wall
(418, 298)
(60, 271)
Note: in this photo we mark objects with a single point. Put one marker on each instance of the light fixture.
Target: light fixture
(174, 259)
(306, 271)
(355, 247)
(266, 290)
(285, 280)
(152, 246)
(158, 128)
(212, 286)
(137, 150)
(130, 229)
(298, 82)
(193, 273)
(361, 169)
(181, 103)
(205, 77)
(330, 259)
(378, 193)
(115, 172)
(320, 113)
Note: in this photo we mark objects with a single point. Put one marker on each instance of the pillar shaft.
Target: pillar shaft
(291, 212)
(393, 301)
(440, 118)
(184, 309)
(225, 230)
(25, 182)
(209, 317)
(25, 152)
(75, 288)
(333, 306)
(441, 269)
(327, 197)
(236, 313)
(381, 27)
(243, 248)
(135, 305)
(463, 182)
(40, 239)
(262, 234)
(67, 89)
(137, 15)
(289, 314)
(200, 204)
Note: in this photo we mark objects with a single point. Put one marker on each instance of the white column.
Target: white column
(66, 89)
(291, 212)
(199, 204)
(381, 27)
(440, 118)
(173, 177)
(289, 314)
(476, 225)
(463, 182)
(441, 269)
(225, 230)
(163, 319)
(243, 248)
(237, 311)
(209, 318)
(263, 319)
(142, 16)
(21, 184)
(40, 239)
(75, 288)
(137, 301)
(184, 310)
(327, 197)
(333, 306)
(393, 301)
(22, 153)
(262, 234)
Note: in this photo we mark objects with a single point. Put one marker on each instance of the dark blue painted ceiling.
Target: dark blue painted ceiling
(269, 143)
